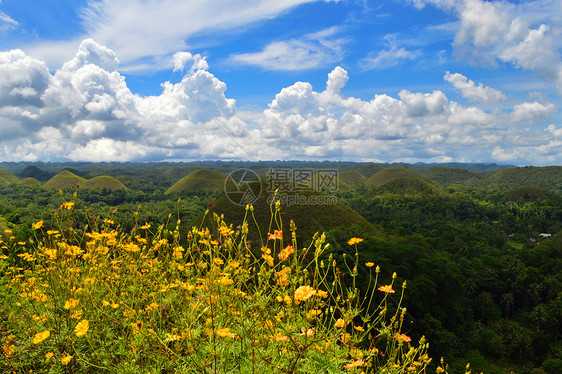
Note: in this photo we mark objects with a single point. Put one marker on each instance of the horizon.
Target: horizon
(411, 81)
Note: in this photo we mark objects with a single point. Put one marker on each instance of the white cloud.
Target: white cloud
(187, 61)
(387, 58)
(308, 52)
(524, 34)
(85, 111)
(136, 29)
(7, 22)
(531, 112)
(469, 89)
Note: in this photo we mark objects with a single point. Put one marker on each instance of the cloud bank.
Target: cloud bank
(85, 111)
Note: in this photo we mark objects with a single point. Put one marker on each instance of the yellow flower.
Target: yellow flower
(313, 313)
(387, 289)
(67, 205)
(49, 355)
(40, 336)
(268, 258)
(37, 225)
(71, 303)
(9, 349)
(65, 360)
(145, 227)
(304, 293)
(82, 327)
(340, 323)
(354, 240)
(369, 264)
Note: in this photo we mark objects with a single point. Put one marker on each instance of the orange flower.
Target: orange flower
(387, 289)
(285, 253)
(304, 293)
(340, 323)
(225, 333)
(66, 360)
(402, 338)
(277, 234)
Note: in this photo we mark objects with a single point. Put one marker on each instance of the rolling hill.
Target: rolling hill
(66, 179)
(30, 182)
(352, 177)
(391, 174)
(450, 176)
(549, 177)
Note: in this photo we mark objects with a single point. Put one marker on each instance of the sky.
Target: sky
(350, 80)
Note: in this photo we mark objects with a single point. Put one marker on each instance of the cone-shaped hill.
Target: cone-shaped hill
(549, 177)
(7, 178)
(198, 180)
(35, 172)
(449, 176)
(104, 182)
(531, 194)
(410, 186)
(63, 180)
(391, 174)
(66, 179)
(315, 212)
(352, 177)
(30, 182)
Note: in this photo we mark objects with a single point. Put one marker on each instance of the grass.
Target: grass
(96, 299)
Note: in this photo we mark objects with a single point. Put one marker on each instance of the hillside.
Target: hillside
(450, 176)
(531, 194)
(352, 177)
(7, 178)
(104, 182)
(549, 177)
(30, 182)
(33, 171)
(198, 180)
(410, 186)
(64, 179)
(391, 174)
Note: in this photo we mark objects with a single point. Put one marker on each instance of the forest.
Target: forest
(478, 245)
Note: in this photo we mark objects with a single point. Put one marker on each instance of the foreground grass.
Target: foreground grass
(102, 300)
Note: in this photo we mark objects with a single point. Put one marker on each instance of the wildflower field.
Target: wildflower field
(154, 300)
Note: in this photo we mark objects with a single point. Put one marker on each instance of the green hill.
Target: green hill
(198, 180)
(367, 169)
(410, 186)
(549, 177)
(35, 172)
(450, 176)
(104, 182)
(391, 174)
(7, 178)
(352, 177)
(531, 194)
(30, 182)
(64, 179)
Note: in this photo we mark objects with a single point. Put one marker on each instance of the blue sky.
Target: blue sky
(394, 80)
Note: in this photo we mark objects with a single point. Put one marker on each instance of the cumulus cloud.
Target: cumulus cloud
(308, 52)
(85, 111)
(469, 89)
(524, 35)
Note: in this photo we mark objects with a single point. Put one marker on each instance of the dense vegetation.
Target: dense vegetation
(480, 246)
